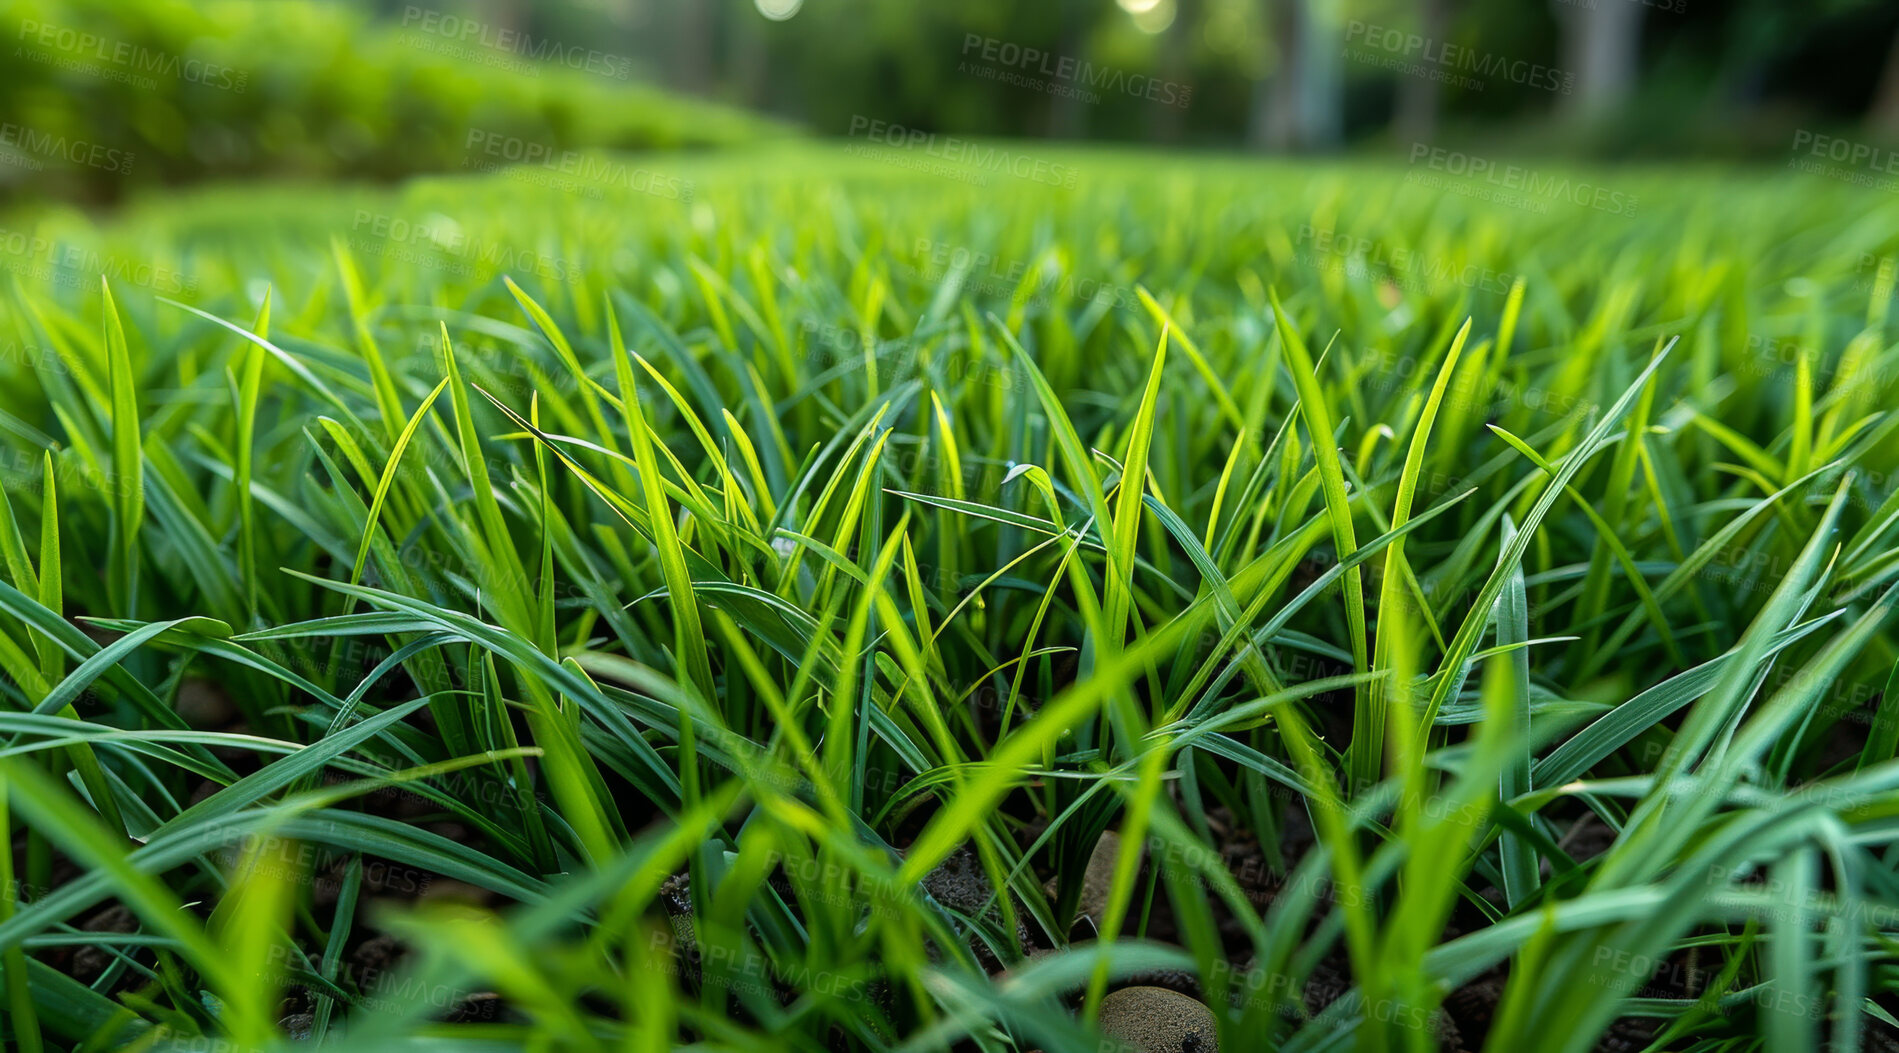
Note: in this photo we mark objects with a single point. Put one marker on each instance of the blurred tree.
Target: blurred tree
(1884, 116)
(1299, 106)
(1068, 114)
(1176, 66)
(1322, 99)
(1420, 98)
(508, 15)
(693, 30)
(1601, 42)
(348, 97)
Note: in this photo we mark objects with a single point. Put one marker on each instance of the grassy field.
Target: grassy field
(662, 603)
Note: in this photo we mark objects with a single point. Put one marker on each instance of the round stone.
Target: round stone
(1156, 1020)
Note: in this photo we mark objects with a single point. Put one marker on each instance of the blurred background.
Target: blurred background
(103, 98)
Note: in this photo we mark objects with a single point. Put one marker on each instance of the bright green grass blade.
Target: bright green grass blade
(372, 522)
(1194, 355)
(1619, 726)
(1452, 668)
(1606, 534)
(52, 569)
(1364, 764)
(1075, 458)
(253, 916)
(50, 809)
(247, 389)
(348, 890)
(1520, 875)
(1882, 742)
(297, 367)
(13, 544)
(127, 467)
(24, 1023)
(1127, 511)
(382, 383)
(689, 644)
(1368, 746)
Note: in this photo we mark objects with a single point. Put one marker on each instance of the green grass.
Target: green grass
(1519, 580)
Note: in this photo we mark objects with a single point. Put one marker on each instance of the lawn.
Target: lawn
(619, 604)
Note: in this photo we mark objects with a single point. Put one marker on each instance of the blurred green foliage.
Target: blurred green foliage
(100, 97)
